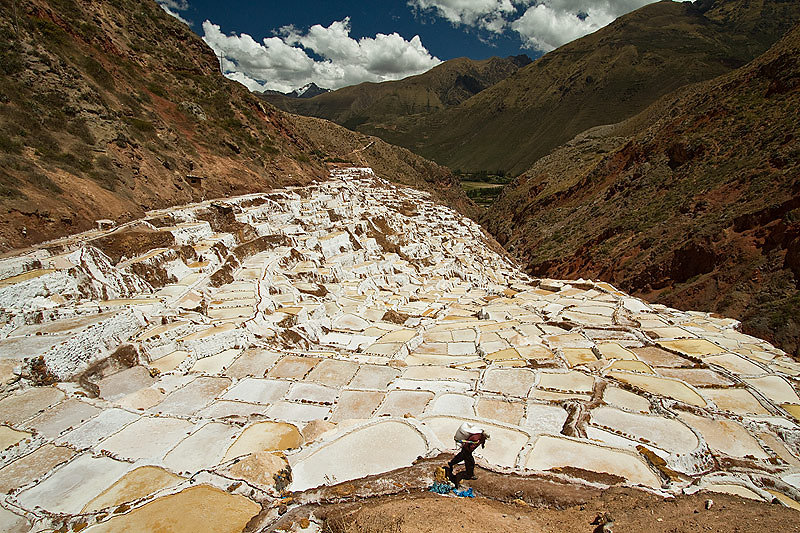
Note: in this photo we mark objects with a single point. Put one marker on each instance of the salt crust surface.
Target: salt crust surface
(379, 317)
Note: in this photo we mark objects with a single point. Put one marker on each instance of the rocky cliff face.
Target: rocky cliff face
(694, 203)
(107, 107)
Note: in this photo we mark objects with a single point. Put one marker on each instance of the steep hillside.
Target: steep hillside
(370, 107)
(599, 79)
(391, 162)
(693, 203)
(106, 107)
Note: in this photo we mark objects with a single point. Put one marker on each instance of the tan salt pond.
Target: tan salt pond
(730, 488)
(785, 500)
(265, 436)
(70, 487)
(692, 347)
(550, 452)
(136, 484)
(19, 407)
(25, 276)
(735, 363)
(535, 352)
(792, 409)
(632, 366)
(10, 437)
(215, 363)
(33, 466)
(324, 464)
(612, 350)
(573, 381)
(737, 401)
(775, 388)
(510, 382)
(200, 508)
(662, 386)
(578, 356)
(725, 436)
(626, 400)
(664, 433)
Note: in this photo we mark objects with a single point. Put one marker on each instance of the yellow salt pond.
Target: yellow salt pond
(136, 484)
(265, 436)
(200, 508)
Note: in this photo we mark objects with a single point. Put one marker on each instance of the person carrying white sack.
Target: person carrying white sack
(468, 437)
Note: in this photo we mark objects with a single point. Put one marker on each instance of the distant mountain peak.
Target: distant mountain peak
(308, 90)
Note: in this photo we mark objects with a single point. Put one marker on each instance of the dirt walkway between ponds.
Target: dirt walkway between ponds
(398, 502)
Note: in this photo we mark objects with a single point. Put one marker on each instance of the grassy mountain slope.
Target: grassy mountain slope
(601, 78)
(694, 203)
(368, 107)
(106, 106)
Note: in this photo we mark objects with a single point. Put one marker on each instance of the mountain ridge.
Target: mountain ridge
(693, 202)
(445, 85)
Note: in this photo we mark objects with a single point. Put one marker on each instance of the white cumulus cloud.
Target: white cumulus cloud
(328, 56)
(541, 24)
(487, 14)
(550, 24)
(174, 7)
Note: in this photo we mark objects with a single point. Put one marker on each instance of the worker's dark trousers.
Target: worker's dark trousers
(469, 462)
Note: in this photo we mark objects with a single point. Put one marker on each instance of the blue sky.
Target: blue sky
(440, 37)
(283, 45)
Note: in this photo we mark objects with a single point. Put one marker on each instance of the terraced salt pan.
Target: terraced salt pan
(90, 433)
(33, 466)
(202, 449)
(137, 483)
(20, 407)
(69, 488)
(775, 388)
(13, 523)
(692, 347)
(452, 404)
(737, 401)
(725, 436)
(265, 436)
(263, 391)
(147, 438)
(398, 403)
(298, 413)
(736, 490)
(10, 436)
(510, 382)
(622, 399)
(192, 397)
(697, 377)
(551, 452)
(736, 364)
(540, 418)
(661, 386)
(314, 466)
(572, 381)
(501, 410)
(664, 433)
(65, 415)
